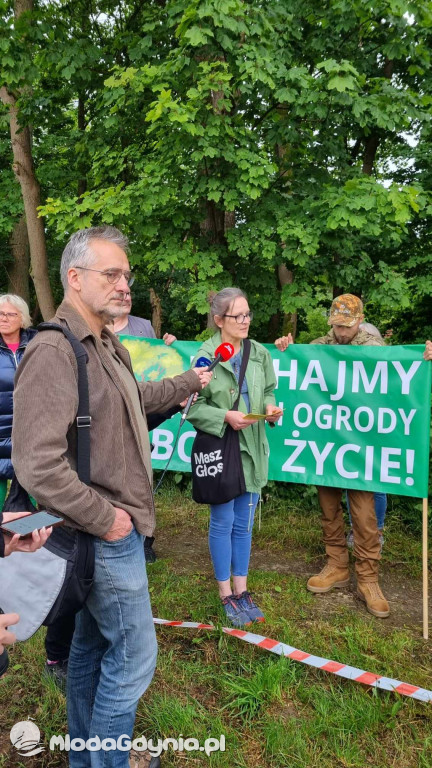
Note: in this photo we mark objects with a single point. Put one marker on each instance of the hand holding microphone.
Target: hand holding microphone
(204, 375)
(204, 367)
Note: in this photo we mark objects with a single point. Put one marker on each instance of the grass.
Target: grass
(273, 712)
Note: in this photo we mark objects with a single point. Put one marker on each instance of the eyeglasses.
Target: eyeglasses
(9, 315)
(113, 275)
(242, 318)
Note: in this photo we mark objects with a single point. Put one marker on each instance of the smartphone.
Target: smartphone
(26, 525)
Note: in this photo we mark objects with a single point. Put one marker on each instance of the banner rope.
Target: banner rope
(334, 667)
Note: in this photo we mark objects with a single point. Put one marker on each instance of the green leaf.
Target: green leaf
(198, 35)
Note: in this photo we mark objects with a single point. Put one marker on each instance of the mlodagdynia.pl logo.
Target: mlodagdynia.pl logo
(25, 737)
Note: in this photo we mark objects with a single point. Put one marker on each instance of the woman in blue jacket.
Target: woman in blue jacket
(15, 334)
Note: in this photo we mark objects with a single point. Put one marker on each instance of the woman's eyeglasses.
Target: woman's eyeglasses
(242, 318)
(9, 315)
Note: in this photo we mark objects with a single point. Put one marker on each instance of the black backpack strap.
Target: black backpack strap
(83, 418)
(244, 362)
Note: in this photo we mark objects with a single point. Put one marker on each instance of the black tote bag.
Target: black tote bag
(217, 471)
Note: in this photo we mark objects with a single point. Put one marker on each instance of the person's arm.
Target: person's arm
(270, 408)
(283, 342)
(6, 637)
(16, 543)
(159, 396)
(270, 381)
(45, 407)
(169, 339)
(209, 418)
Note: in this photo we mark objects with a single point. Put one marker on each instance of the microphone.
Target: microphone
(222, 353)
(202, 362)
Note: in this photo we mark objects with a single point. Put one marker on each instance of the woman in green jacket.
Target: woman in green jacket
(230, 532)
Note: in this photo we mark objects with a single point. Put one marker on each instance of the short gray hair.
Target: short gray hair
(20, 305)
(221, 302)
(78, 250)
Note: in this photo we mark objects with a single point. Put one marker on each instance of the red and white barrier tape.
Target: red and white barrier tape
(343, 670)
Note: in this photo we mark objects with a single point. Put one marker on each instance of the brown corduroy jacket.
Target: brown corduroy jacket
(44, 429)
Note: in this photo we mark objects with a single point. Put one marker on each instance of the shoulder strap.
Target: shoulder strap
(83, 418)
(244, 362)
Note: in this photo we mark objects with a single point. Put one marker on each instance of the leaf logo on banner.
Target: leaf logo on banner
(150, 363)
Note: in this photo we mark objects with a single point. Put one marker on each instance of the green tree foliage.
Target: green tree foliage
(229, 137)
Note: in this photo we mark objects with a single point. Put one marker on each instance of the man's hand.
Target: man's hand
(237, 421)
(16, 543)
(121, 526)
(169, 338)
(273, 414)
(204, 376)
(183, 403)
(6, 637)
(283, 343)
(427, 354)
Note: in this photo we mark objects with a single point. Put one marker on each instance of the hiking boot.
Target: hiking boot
(57, 672)
(237, 616)
(149, 553)
(143, 760)
(330, 577)
(371, 594)
(246, 604)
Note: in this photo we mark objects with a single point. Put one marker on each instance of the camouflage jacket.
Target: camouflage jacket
(362, 339)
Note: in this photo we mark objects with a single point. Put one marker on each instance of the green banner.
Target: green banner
(354, 417)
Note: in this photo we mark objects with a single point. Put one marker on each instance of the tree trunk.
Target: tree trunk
(156, 313)
(82, 181)
(24, 171)
(18, 274)
(372, 142)
(286, 277)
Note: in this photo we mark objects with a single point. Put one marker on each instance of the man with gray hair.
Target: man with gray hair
(113, 653)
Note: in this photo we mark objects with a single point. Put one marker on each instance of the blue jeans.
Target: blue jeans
(113, 653)
(380, 500)
(230, 535)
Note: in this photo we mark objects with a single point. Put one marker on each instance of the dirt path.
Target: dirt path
(188, 549)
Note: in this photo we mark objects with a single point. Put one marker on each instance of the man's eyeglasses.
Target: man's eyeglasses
(113, 275)
(242, 318)
(9, 315)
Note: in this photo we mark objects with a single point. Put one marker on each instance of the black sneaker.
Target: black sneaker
(57, 671)
(149, 553)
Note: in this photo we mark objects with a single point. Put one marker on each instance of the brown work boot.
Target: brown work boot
(330, 577)
(370, 593)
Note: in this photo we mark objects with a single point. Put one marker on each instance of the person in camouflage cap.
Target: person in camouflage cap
(345, 318)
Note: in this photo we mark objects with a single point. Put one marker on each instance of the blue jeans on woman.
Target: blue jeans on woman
(230, 535)
(113, 653)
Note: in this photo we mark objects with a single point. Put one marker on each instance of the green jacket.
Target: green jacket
(208, 412)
